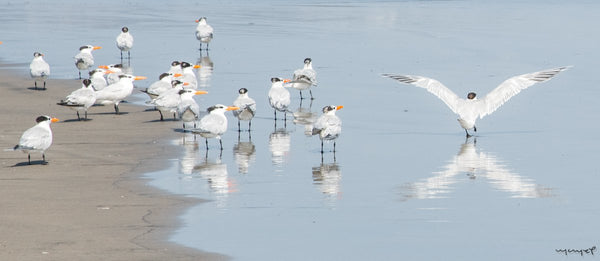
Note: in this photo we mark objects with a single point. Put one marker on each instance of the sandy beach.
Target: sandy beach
(90, 202)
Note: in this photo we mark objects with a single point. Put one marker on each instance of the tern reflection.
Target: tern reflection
(305, 116)
(215, 173)
(190, 153)
(327, 178)
(475, 165)
(279, 145)
(244, 153)
(205, 71)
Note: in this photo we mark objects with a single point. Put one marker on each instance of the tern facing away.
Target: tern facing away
(81, 99)
(84, 59)
(204, 32)
(304, 78)
(125, 42)
(39, 69)
(328, 125)
(470, 109)
(117, 92)
(247, 108)
(214, 124)
(37, 138)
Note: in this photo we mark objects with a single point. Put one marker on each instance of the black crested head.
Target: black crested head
(182, 92)
(211, 108)
(175, 63)
(307, 60)
(37, 54)
(87, 82)
(163, 75)
(124, 29)
(42, 118)
(84, 47)
(471, 95)
(243, 90)
(175, 82)
(118, 65)
(185, 64)
(329, 108)
(275, 79)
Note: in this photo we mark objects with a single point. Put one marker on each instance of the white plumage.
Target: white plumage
(472, 108)
(39, 69)
(37, 138)
(204, 32)
(304, 78)
(214, 124)
(125, 41)
(247, 107)
(328, 126)
(98, 82)
(189, 76)
(279, 97)
(84, 59)
(188, 110)
(117, 92)
(81, 99)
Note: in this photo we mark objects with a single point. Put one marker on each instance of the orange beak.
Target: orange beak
(96, 48)
(54, 120)
(197, 20)
(232, 108)
(196, 66)
(137, 78)
(108, 72)
(339, 107)
(177, 75)
(186, 83)
(200, 92)
(103, 67)
(286, 80)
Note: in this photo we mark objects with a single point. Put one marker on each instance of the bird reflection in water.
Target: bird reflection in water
(306, 117)
(475, 165)
(214, 171)
(205, 71)
(190, 153)
(244, 153)
(327, 177)
(279, 145)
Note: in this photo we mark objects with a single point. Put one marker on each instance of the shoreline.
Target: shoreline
(92, 201)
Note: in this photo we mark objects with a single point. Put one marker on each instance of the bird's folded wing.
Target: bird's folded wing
(511, 87)
(433, 86)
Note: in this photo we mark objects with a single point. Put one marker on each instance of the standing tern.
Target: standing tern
(188, 75)
(81, 99)
(214, 124)
(84, 59)
(204, 32)
(247, 108)
(98, 82)
(304, 78)
(162, 85)
(470, 109)
(328, 125)
(168, 100)
(175, 67)
(39, 69)
(117, 92)
(279, 97)
(187, 109)
(125, 42)
(37, 138)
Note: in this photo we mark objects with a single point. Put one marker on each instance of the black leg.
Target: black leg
(161, 116)
(334, 147)
(221, 144)
(44, 84)
(206, 142)
(249, 125)
(239, 129)
(275, 114)
(311, 97)
(174, 116)
(44, 159)
(79, 75)
(29, 158)
(78, 118)
(301, 96)
(35, 85)
(475, 128)
(116, 109)
(321, 146)
(86, 115)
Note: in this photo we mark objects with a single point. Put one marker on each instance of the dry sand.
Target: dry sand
(90, 202)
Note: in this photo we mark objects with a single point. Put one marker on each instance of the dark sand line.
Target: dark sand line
(91, 201)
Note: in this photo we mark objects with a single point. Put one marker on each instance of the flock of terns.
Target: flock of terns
(175, 89)
(172, 94)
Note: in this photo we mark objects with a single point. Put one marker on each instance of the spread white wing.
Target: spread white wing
(511, 87)
(432, 86)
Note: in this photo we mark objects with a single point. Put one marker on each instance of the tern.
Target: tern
(117, 92)
(214, 124)
(470, 109)
(204, 32)
(188, 75)
(84, 59)
(162, 85)
(168, 101)
(125, 42)
(279, 97)
(175, 67)
(81, 99)
(116, 71)
(328, 126)
(37, 138)
(304, 78)
(39, 69)
(98, 82)
(187, 109)
(247, 107)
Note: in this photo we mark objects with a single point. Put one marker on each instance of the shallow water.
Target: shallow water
(404, 183)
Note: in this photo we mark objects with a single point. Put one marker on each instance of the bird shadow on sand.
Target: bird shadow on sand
(110, 113)
(76, 120)
(36, 89)
(165, 120)
(33, 162)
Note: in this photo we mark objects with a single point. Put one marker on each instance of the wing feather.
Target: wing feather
(433, 86)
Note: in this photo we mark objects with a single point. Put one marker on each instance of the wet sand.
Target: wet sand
(90, 202)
